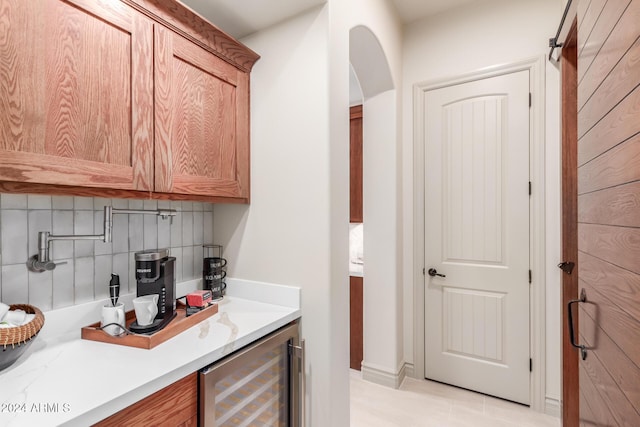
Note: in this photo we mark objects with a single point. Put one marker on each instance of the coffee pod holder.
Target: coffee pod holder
(213, 275)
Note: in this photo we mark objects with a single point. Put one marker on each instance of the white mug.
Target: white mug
(146, 308)
(113, 314)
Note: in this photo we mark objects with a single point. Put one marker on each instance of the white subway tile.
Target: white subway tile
(197, 261)
(99, 203)
(164, 204)
(187, 228)
(15, 284)
(177, 253)
(83, 224)
(102, 276)
(177, 205)
(13, 201)
(83, 278)
(36, 201)
(187, 206)
(83, 203)
(62, 224)
(62, 202)
(14, 236)
(198, 228)
(198, 207)
(176, 231)
(150, 205)
(136, 204)
(150, 231)
(63, 289)
(207, 227)
(41, 290)
(120, 234)
(120, 203)
(164, 233)
(136, 234)
(187, 263)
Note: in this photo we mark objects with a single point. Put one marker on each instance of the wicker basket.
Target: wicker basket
(20, 334)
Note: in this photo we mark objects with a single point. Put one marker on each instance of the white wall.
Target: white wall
(383, 350)
(466, 39)
(295, 231)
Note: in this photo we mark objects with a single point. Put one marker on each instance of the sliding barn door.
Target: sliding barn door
(608, 165)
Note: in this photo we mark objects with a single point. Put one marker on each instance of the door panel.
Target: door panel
(477, 235)
(77, 89)
(608, 237)
(202, 121)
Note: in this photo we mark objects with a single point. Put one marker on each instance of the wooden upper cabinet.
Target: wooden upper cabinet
(122, 98)
(201, 121)
(76, 93)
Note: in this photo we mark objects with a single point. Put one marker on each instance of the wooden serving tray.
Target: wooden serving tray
(179, 324)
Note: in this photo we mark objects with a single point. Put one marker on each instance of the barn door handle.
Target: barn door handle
(572, 337)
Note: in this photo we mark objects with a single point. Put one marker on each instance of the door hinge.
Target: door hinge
(529, 99)
(530, 365)
(530, 187)
(530, 276)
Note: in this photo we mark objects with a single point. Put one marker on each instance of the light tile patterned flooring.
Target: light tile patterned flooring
(427, 403)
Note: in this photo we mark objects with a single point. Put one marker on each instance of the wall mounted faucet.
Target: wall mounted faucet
(41, 262)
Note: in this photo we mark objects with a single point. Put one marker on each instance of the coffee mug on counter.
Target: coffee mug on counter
(113, 314)
(146, 308)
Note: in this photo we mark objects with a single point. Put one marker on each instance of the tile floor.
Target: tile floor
(426, 403)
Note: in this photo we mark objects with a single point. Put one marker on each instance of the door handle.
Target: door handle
(433, 272)
(572, 338)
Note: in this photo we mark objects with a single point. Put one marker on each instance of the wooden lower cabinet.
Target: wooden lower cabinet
(174, 405)
(356, 288)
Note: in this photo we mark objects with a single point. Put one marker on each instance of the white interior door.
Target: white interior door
(477, 235)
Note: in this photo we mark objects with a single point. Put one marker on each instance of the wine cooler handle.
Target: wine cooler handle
(300, 353)
(303, 387)
(572, 337)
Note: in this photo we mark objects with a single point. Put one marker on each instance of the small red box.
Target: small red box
(198, 298)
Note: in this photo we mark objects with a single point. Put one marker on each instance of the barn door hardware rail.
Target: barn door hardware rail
(553, 42)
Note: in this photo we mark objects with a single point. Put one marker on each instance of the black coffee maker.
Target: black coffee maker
(155, 274)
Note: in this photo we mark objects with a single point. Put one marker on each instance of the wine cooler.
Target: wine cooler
(259, 385)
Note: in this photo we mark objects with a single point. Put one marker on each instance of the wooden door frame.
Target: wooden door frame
(537, 229)
(569, 90)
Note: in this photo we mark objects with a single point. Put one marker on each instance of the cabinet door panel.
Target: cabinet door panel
(75, 115)
(202, 122)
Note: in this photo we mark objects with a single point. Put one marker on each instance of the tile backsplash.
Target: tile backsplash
(89, 264)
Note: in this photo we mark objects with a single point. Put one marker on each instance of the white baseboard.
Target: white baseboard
(409, 371)
(552, 406)
(383, 377)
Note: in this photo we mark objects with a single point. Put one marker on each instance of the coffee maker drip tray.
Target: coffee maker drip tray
(155, 326)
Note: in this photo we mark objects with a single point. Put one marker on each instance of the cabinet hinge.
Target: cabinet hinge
(530, 365)
(529, 99)
(530, 276)
(530, 187)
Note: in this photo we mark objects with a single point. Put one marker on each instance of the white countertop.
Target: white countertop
(65, 380)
